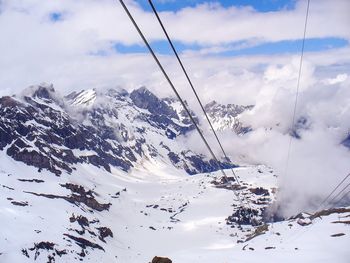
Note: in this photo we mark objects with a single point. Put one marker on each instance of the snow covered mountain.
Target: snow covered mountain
(100, 177)
(226, 117)
(109, 129)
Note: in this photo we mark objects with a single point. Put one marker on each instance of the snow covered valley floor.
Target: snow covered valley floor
(95, 216)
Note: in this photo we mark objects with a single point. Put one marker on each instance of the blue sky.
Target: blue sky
(259, 5)
(231, 49)
(315, 44)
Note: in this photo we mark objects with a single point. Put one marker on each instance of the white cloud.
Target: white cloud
(318, 161)
(212, 24)
(338, 79)
(35, 49)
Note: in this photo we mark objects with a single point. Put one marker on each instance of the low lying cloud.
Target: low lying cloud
(317, 161)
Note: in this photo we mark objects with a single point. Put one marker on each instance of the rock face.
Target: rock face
(144, 99)
(161, 260)
(226, 117)
(107, 129)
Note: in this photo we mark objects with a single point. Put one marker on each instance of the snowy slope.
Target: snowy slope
(85, 97)
(160, 212)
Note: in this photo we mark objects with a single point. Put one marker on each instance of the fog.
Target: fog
(317, 161)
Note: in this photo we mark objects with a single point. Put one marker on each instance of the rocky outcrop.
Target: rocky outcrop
(144, 99)
(243, 216)
(161, 260)
(78, 197)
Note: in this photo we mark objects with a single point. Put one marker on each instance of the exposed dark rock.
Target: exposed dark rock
(5, 137)
(144, 99)
(44, 245)
(79, 196)
(259, 191)
(60, 253)
(338, 235)
(270, 248)
(7, 187)
(19, 203)
(329, 212)
(44, 92)
(342, 222)
(81, 220)
(174, 158)
(84, 243)
(198, 163)
(32, 158)
(180, 210)
(242, 216)
(25, 252)
(31, 180)
(260, 230)
(161, 260)
(104, 232)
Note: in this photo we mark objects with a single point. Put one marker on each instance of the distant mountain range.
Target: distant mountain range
(107, 129)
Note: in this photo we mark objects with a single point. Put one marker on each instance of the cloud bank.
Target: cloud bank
(317, 160)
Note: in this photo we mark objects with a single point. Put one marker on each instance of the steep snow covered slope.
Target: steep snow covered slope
(86, 98)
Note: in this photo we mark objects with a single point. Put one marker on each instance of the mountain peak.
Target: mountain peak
(145, 99)
(117, 92)
(42, 91)
(143, 89)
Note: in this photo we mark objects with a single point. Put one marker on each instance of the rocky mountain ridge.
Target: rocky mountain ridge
(226, 117)
(108, 129)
